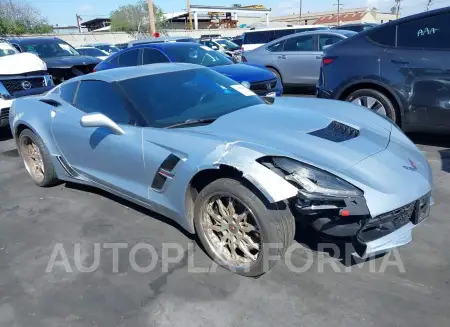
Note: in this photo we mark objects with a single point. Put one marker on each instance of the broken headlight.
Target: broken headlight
(313, 180)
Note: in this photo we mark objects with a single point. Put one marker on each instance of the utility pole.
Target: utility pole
(151, 17)
(429, 4)
(78, 17)
(300, 14)
(189, 14)
(338, 4)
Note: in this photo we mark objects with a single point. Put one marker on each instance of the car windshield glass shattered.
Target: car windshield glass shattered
(197, 54)
(6, 49)
(189, 95)
(49, 48)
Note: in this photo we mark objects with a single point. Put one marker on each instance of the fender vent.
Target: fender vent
(336, 132)
(165, 172)
(51, 102)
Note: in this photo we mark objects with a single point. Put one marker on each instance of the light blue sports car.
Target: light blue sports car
(236, 169)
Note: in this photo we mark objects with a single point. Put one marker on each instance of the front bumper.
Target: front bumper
(350, 219)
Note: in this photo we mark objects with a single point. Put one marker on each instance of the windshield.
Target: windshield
(174, 97)
(49, 48)
(228, 44)
(6, 49)
(94, 52)
(197, 54)
(108, 48)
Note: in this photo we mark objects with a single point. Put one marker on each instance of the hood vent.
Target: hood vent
(336, 132)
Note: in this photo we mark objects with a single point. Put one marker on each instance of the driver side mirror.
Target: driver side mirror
(268, 100)
(100, 120)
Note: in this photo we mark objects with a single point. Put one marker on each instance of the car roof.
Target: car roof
(35, 38)
(286, 28)
(94, 44)
(86, 47)
(166, 45)
(160, 39)
(120, 74)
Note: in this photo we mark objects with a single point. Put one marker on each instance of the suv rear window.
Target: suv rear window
(384, 35)
(431, 32)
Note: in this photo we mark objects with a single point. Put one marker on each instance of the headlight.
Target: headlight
(313, 180)
(246, 84)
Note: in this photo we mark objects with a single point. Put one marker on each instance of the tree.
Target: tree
(395, 10)
(18, 18)
(134, 18)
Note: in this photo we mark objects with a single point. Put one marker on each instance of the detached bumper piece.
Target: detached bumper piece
(350, 218)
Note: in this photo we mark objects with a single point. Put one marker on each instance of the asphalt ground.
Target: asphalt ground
(311, 287)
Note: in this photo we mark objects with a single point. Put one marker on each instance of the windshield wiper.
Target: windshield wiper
(191, 122)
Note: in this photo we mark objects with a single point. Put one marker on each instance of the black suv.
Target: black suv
(63, 61)
(400, 69)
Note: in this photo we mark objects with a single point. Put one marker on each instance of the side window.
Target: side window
(299, 43)
(17, 47)
(129, 58)
(153, 56)
(384, 35)
(67, 91)
(102, 97)
(276, 47)
(258, 37)
(281, 33)
(328, 39)
(431, 32)
(114, 60)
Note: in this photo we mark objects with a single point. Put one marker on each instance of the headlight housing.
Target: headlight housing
(313, 180)
(246, 84)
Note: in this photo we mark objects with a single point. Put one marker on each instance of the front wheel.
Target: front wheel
(375, 101)
(239, 231)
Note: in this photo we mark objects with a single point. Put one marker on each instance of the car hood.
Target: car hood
(285, 128)
(245, 72)
(70, 61)
(21, 63)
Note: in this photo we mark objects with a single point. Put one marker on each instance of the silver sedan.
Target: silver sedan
(296, 58)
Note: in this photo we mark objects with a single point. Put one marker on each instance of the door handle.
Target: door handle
(399, 62)
(282, 57)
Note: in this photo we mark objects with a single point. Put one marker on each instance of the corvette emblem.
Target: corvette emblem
(411, 167)
(26, 85)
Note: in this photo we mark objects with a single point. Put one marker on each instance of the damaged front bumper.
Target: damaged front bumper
(349, 218)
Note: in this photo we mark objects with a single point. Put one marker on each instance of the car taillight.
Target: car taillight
(95, 69)
(244, 59)
(327, 60)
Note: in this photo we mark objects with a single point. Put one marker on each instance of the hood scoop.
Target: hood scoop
(336, 132)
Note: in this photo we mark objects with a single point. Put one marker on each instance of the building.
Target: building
(213, 17)
(330, 18)
(67, 29)
(96, 23)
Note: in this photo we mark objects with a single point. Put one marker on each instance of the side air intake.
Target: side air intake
(165, 171)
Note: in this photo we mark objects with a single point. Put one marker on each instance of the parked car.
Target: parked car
(93, 52)
(121, 46)
(21, 74)
(161, 40)
(296, 58)
(355, 27)
(255, 38)
(399, 69)
(63, 61)
(191, 144)
(108, 48)
(224, 46)
(237, 40)
(259, 79)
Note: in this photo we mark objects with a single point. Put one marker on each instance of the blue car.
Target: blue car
(257, 78)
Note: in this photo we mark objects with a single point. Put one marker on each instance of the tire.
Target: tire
(275, 223)
(380, 97)
(273, 70)
(46, 175)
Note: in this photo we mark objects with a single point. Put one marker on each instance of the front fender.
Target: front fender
(271, 185)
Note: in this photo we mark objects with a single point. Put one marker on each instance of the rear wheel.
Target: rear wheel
(375, 101)
(277, 74)
(238, 230)
(36, 159)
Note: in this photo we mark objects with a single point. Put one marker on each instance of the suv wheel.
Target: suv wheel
(375, 101)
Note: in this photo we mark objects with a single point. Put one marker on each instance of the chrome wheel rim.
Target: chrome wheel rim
(371, 103)
(32, 159)
(231, 230)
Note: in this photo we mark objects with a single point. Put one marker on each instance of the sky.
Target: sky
(62, 12)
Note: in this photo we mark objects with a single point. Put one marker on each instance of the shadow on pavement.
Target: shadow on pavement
(300, 90)
(131, 205)
(445, 158)
(430, 139)
(5, 134)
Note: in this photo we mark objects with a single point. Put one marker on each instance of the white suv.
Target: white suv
(21, 74)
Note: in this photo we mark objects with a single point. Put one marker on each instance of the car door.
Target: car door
(299, 62)
(96, 153)
(424, 46)
(153, 56)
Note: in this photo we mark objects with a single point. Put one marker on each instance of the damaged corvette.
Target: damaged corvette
(237, 170)
(63, 61)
